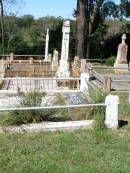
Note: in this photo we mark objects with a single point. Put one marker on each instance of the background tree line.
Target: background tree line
(95, 33)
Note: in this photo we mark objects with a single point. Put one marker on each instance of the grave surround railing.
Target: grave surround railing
(41, 84)
(111, 113)
(23, 56)
(106, 80)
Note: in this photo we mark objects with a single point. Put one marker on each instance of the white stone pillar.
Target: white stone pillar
(129, 97)
(47, 45)
(111, 117)
(65, 40)
(84, 82)
(63, 70)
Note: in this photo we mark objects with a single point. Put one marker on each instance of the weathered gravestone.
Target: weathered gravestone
(55, 60)
(121, 60)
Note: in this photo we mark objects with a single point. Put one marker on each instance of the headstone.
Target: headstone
(47, 45)
(63, 70)
(121, 60)
(55, 60)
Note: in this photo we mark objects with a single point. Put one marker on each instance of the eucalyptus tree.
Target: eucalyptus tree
(91, 14)
(5, 9)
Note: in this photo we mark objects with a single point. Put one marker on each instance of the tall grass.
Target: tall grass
(96, 95)
(34, 99)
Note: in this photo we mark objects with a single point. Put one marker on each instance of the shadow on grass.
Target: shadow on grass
(122, 123)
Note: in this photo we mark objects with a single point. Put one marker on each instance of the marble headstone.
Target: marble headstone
(121, 60)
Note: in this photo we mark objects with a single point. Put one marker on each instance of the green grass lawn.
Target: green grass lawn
(106, 71)
(124, 106)
(73, 152)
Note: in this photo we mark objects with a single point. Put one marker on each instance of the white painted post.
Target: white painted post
(84, 80)
(47, 45)
(111, 117)
(129, 96)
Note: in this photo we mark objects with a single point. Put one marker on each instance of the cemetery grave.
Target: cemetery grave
(66, 110)
(70, 79)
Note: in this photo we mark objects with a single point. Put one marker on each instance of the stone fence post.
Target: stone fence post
(84, 80)
(107, 84)
(111, 117)
(83, 66)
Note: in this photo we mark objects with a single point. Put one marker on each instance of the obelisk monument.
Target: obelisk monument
(47, 46)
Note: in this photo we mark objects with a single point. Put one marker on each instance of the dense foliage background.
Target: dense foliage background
(26, 35)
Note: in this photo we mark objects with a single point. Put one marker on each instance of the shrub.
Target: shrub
(34, 99)
(31, 99)
(110, 61)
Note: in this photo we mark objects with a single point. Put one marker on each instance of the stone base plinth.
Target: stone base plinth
(63, 71)
(121, 68)
(63, 74)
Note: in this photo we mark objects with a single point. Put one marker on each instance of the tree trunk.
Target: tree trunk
(88, 40)
(2, 24)
(80, 36)
(90, 30)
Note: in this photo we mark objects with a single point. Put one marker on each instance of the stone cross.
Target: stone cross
(47, 45)
(65, 40)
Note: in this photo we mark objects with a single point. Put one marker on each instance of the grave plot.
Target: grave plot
(24, 68)
(107, 80)
(39, 84)
(27, 85)
(48, 100)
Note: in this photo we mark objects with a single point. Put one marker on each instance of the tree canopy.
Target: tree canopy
(91, 16)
